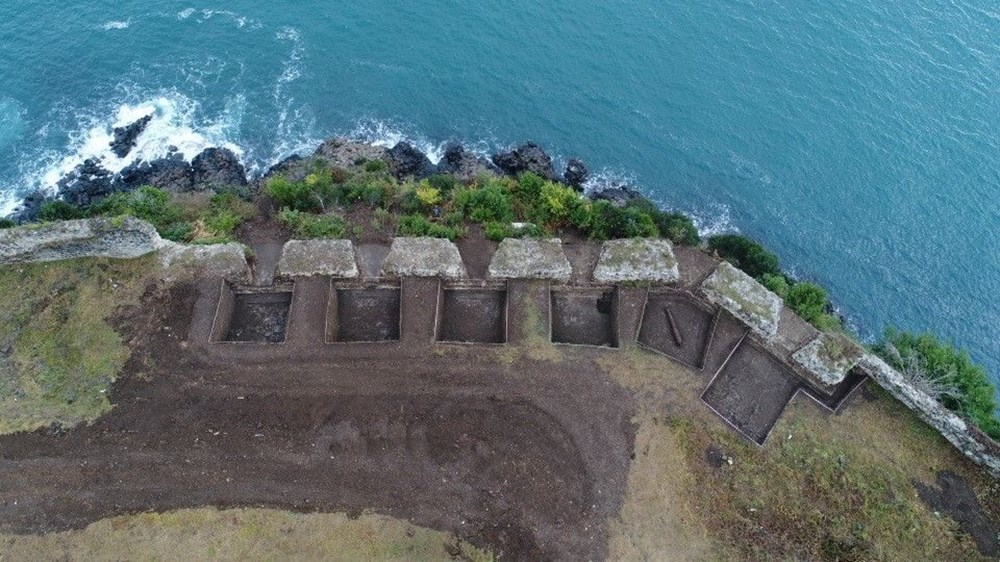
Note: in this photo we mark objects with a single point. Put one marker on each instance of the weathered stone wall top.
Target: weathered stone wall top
(530, 258)
(423, 257)
(191, 261)
(745, 298)
(99, 237)
(952, 427)
(334, 258)
(829, 357)
(637, 259)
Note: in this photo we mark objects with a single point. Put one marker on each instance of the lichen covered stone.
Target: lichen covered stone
(302, 258)
(423, 257)
(637, 259)
(744, 298)
(189, 261)
(530, 258)
(973, 445)
(98, 237)
(829, 357)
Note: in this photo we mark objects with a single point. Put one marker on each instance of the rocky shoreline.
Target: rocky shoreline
(218, 167)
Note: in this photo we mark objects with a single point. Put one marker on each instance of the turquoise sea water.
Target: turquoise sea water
(860, 141)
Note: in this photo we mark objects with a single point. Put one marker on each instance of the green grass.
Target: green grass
(245, 534)
(58, 353)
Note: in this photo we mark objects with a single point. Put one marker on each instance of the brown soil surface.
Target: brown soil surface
(486, 444)
(954, 497)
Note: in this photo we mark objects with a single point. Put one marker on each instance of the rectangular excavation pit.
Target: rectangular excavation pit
(585, 316)
(359, 314)
(678, 326)
(473, 315)
(252, 315)
(751, 391)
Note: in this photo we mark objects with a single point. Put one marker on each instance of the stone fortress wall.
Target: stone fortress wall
(828, 364)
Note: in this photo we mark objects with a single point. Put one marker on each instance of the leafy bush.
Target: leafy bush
(445, 183)
(374, 189)
(488, 204)
(308, 225)
(778, 284)
(59, 211)
(376, 166)
(149, 204)
(745, 254)
(942, 362)
(427, 194)
(609, 222)
(339, 175)
(227, 212)
(808, 300)
(178, 231)
(678, 227)
(7, 223)
(497, 231)
(556, 203)
(314, 193)
(419, 225)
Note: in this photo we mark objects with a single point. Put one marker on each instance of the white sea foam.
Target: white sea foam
(389, 134)
(116, 24)
(176, 122)
(714, 220)
(203, 15)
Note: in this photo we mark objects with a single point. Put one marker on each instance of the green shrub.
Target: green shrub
(59, 211)
(7, 223)
(150, 204)
(314, 193)
(445, 183)
(339, 175)
(227, 211)
(943, 363)
(556, 202)
(497, 231)
(376, 166)
(678, 227)
(808, 300)
(419, 225)
(778, 284)
(178, 232)
(373, 189)
(745, 254)
(307, 225)
(608, 222)
(488, 204)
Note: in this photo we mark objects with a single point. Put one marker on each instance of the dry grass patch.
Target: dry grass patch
(828, 487)
(58, 353)
(243, 534)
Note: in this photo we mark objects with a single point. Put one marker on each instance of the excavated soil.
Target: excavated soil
(260, 317)
(473, 316)
(454, 439)
(584, 317)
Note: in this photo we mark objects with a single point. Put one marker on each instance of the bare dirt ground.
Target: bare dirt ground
(525, 456)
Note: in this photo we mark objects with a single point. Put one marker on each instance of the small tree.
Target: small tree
(745, 254)
(808, 300)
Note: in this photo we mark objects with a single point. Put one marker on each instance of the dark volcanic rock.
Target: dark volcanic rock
(576, 173)
(125, 137)
(345, 153)
(88, 183)
(171, 173)
(405, 161)
(289, 167)
(30, 207)
(463, 164)
(528, 157)
(617, 194)
(217, 167)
